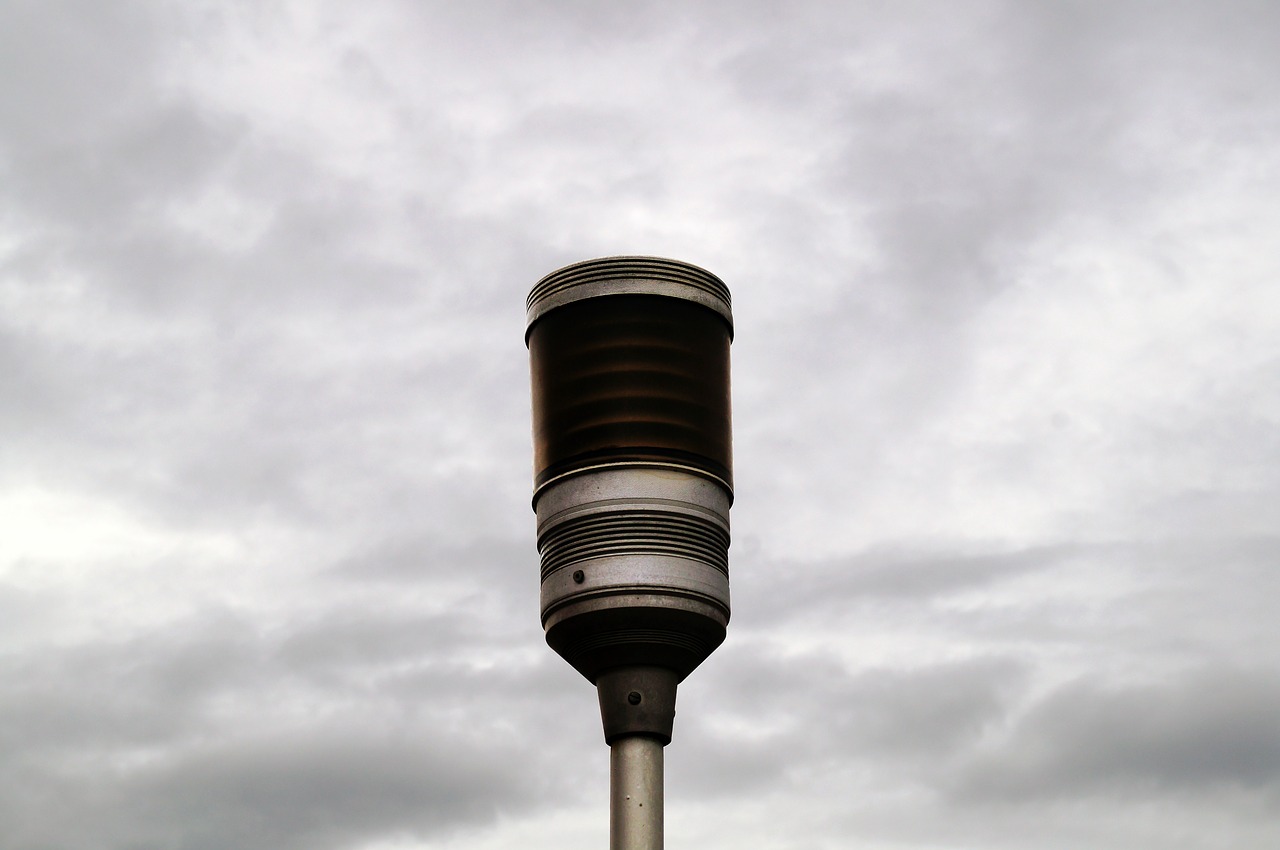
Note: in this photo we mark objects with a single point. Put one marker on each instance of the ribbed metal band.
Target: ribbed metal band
(636, 532)
(627, 637)
(634, 568)
(628, 276)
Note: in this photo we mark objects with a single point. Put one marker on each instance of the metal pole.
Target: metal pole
(635, 798)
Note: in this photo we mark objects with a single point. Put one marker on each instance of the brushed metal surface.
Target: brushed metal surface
(635, 794)
(628, 275)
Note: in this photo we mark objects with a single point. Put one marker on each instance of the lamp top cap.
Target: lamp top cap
(628, 276)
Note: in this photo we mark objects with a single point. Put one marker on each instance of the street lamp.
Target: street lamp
(632, 488)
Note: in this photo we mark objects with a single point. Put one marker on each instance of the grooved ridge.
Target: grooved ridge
(634, 533)
(628, 268)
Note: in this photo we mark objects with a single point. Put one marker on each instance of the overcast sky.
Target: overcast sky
(1006, 280)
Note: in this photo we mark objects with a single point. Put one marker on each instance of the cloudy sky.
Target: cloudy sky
(1006, 560)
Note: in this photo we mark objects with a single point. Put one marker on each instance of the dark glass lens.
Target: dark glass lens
(630, 378)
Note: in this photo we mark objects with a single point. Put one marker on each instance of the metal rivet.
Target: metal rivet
(579, 576)
(634, 697)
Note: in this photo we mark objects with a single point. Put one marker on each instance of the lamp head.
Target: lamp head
(633, 473)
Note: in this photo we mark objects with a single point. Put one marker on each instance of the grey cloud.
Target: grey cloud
(60, 77)
(707, 768)
(481, 562)
(129, 691)
(926, 714)
(238, 406)
(571, 27)
(90, 136)
(217, 381)
(1207, 729)
(812, 710)
(950, 172)
(153, 158)
(775, 592)
(323, 733)
(173, 408)
(1215, 588)
(328, 787)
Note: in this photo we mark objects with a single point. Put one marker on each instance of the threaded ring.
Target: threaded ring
(628, 276)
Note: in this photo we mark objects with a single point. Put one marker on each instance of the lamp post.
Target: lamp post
(632, 488)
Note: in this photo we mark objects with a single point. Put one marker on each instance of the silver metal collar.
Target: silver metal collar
(628, 276)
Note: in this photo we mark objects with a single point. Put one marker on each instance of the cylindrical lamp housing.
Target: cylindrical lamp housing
(632, 461)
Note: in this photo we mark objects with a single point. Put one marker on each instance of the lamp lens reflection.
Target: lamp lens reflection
(630, 378)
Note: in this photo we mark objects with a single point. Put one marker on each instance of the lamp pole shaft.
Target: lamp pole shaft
(635, 798)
